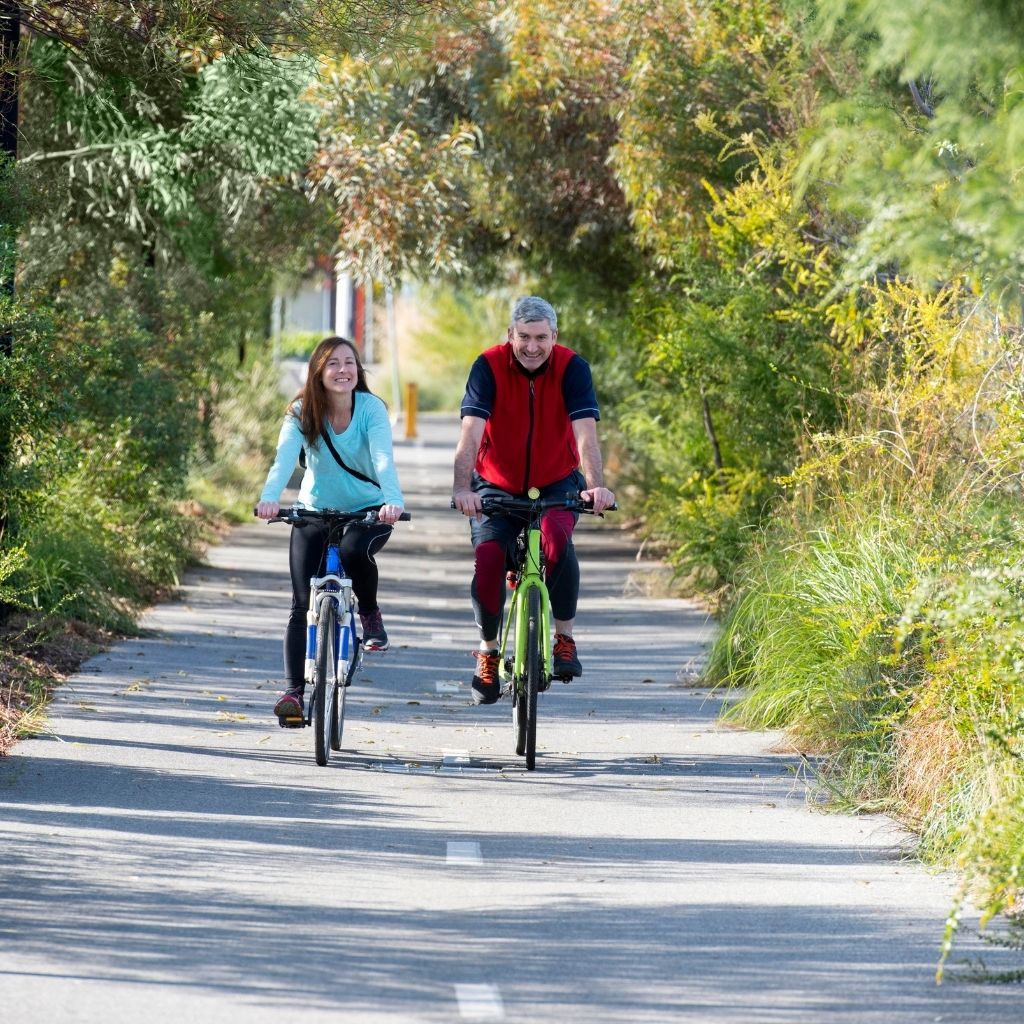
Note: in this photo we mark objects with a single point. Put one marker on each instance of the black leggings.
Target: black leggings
(306, 555)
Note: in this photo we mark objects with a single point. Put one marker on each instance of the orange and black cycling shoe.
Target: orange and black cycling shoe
(565, 663)
(486, 685)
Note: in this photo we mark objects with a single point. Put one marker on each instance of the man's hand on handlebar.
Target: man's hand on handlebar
(468, 503)
(600, 497)
(389, 514)
(268, 509)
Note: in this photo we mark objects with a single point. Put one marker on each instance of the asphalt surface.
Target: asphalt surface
(171, 855)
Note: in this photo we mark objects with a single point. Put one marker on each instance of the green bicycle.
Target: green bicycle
(524, 654)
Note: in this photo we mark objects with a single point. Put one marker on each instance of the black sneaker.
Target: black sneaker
(565, 664)
(486, 686)
(374, 637)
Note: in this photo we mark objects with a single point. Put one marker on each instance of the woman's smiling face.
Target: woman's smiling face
(341, 371)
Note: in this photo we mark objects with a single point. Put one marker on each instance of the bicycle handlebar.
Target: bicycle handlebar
(571, 502)
(296, 515)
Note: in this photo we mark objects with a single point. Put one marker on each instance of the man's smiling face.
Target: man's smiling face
(532, 342)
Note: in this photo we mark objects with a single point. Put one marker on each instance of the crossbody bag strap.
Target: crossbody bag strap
(338, 459)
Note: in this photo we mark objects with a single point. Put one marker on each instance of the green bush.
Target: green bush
(299, 344)
(246, 420)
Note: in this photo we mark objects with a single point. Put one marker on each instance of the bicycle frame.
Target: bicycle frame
(531, 577)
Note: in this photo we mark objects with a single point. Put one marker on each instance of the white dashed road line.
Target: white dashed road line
(463, 852)
(479, 1002)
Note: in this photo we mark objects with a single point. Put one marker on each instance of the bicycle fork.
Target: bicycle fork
(323, 588)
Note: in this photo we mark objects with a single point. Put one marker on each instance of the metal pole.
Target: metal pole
(369, 347)
(396, 392)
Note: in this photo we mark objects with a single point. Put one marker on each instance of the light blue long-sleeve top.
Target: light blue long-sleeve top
(365, 445)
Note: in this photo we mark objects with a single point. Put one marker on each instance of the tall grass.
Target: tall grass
(895, 652)
(811, 638)
(880, 619)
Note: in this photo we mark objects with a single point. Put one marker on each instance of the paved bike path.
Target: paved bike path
(169, 854)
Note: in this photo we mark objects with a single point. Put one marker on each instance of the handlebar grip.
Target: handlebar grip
(405, 517)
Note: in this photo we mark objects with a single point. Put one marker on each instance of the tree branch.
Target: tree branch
(709, 427)
(923, 106)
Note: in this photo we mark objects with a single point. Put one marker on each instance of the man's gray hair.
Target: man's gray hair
(531, 308)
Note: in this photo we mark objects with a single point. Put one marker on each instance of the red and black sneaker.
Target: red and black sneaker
(374, 636)
(289, 705)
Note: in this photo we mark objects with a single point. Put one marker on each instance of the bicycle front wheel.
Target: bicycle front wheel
(325, 688)
(519, 715)
(349, 655)
(534, 661)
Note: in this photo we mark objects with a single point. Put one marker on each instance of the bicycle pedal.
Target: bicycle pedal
(290, 723)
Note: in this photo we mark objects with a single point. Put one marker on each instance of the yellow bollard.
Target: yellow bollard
(410, 410)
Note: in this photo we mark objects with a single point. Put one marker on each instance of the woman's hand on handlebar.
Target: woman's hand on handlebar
(268, 509)
(600, 497)
(389, 514)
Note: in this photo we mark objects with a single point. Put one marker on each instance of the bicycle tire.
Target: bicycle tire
(326, 682)
(534, 661)
(519, 714)
(343, 683)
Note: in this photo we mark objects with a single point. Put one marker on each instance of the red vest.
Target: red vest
(528, 440)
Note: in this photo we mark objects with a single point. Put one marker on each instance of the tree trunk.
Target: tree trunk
(709, 429)
(9, 27)
(9, 31)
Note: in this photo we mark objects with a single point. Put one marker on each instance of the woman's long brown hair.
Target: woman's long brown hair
(313, 395)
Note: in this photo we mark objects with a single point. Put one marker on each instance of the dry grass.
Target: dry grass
(35, 657)
(929, 753)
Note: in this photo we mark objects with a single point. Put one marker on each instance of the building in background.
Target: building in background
(326, 302)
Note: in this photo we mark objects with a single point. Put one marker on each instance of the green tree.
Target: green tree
(923, 144)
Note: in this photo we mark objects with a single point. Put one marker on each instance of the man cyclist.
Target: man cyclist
(529, 419)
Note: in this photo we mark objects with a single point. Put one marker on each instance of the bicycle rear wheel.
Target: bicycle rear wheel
(350, 654)
(326, 686)
(534, 661)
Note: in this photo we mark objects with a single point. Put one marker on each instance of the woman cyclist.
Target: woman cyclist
(345, 433)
